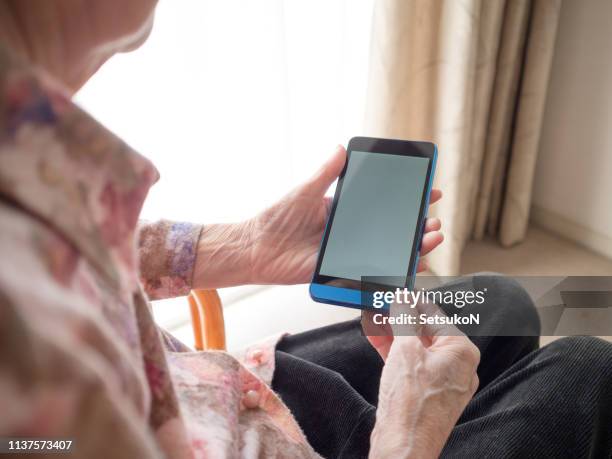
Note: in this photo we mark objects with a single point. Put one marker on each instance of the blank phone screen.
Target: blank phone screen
(375, 222)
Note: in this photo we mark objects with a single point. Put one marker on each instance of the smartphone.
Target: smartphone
(373, 234)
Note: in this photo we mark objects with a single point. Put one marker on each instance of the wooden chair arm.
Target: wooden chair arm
(207, 320)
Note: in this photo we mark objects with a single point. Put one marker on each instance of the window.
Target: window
(235, 102)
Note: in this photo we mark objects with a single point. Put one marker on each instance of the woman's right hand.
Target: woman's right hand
(426, 383)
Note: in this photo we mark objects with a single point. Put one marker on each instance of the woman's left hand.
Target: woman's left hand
(280, 245)
(285, 238)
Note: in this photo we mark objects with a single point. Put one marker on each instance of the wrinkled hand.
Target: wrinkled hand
(428, 379)
(280, 245)
(286, 237)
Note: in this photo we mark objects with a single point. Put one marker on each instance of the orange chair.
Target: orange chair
(207, 320)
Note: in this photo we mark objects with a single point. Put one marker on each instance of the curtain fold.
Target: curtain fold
(471, 76)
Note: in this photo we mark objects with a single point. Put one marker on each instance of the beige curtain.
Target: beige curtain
(471, 76)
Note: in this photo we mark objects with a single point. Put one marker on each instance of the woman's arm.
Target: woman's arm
(277, 246)
(426, 383)
(224, 256)
(176, 257)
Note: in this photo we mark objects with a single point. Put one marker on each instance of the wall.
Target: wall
(573, 182)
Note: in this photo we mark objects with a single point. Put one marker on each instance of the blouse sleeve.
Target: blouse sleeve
(167, 254)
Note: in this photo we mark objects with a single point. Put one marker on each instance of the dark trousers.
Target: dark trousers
(550, 402)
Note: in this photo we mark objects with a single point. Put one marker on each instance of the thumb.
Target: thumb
(330, 171)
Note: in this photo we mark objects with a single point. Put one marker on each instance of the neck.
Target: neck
(37, 36)
(11, 33)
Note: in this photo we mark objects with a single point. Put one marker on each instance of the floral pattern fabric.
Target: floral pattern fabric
(166, 270)
(80, 354)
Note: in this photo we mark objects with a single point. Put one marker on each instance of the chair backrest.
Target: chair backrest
(207, 320)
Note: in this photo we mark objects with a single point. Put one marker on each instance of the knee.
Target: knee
(502, 288)
(581, 361)
(510, 302)
(587, 354)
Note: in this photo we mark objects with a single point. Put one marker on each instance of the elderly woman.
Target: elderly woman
(80, 354)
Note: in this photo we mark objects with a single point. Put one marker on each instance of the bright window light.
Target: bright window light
(236, 101)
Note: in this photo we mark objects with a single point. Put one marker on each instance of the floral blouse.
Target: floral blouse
(80, 354)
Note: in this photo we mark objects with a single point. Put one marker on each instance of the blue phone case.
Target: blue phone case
(358, 299)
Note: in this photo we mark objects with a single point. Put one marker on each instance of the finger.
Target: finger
(432, 224)
(441, 334)
(435, 329)
(328, 204)
(379, 336)
(435, 196)
(370, 328)
(422, 266)
(430, 241)
(382, 344)
(404, 327)
(330, 171)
